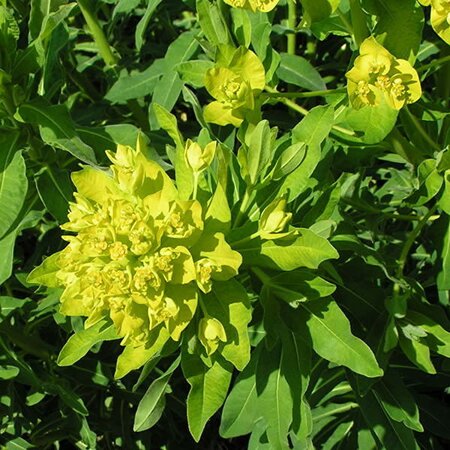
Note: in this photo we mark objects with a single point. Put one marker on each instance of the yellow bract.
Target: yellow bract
(138, 254)
(197, 158)
(378, 76)
(253, 5)
(440, 17)
(235, 82)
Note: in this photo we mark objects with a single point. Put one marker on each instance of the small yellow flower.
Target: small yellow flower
(199, 159)
(211, 332)
(253, 5)
(378, 76)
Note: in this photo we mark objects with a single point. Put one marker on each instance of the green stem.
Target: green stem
(243, 208)
(292, 105)
(292, 23)
(261, 275)
(436, 62)
(194, 194)
(97, 33)
(237, 244)
(304, 94)
(410, 242)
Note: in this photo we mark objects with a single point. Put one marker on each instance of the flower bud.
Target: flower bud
(210, 332)
(274, 218)
(199, 159)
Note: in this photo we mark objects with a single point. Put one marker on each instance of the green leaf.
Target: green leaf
(274, 396)
(57, 128)
(299, 286)
(136, 84)
(318, 10)
(397, 401)
(298, 71)
(209, 386)
(418, 353)
(371, 123)
(8, 372)
(289, 160)
(45, 273)
(81, 342)
(332, 338)
(168, 122)
(167, 90)
(194, 72)
(307, 250)
(13, 185)
(392, 434)
(430, 183)
(441, 344)
(259, 151)
(443, 277)
(55, 190)
(143, 23)
(212, 22)
(399, 26)
(230, 305)
(315, 127)
(151, 406)
(241, 410)
(8, 241)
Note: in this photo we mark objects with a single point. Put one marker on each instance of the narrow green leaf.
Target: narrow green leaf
(259, 151)
(148, 411)
(397, 401)
(57, 128)
(13, 186)
(81, 342)
(209, 386)
(392, 434)
(241, 410)
(143, 23)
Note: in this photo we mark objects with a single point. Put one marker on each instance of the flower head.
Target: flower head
(378, 76)
(253, 5)
(235, 82)
(137, 255)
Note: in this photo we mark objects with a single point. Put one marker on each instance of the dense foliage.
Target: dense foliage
(224, 224)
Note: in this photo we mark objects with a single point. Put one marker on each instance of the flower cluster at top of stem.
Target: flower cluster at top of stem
(235, 82)
(440, 17)
(378, 76)
(253, 5)
(138, 254)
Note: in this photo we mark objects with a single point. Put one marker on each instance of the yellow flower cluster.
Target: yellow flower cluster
(138, 254)
(440, 17)
(377, 75)
(253, 5)
(235, 83)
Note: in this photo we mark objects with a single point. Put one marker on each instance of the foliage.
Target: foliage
(254, 197)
